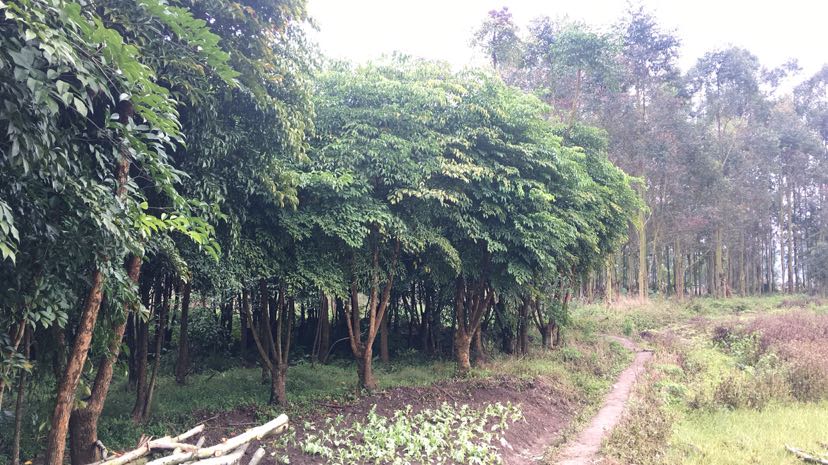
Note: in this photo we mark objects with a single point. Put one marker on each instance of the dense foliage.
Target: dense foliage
(160, 155)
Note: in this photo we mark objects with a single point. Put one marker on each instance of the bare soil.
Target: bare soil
(545, 408)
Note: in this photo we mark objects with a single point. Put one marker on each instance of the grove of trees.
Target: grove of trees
(160, 156)
(734, 157)
(167, 163)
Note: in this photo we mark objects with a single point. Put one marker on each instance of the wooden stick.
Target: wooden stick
(806, 457)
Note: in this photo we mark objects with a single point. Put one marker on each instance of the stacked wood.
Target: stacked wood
(228, 452)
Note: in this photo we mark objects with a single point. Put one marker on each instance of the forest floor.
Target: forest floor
(511, 408)
(717, 389)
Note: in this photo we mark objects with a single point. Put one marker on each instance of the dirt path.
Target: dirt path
(585, 449)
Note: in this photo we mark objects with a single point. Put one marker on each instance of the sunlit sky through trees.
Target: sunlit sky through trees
(775, 31)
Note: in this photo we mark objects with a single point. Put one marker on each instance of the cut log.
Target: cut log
(229, 459)
(257, 456)
(806, 457)
(229, 452)
(254, 434)
(146, 447)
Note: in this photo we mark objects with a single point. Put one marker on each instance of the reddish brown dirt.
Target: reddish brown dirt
(545, 409)
(585, 449)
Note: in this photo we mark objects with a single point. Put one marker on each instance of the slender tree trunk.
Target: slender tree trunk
(385, 356)
(609, 292)
(790, 260)
(159, 345)
(182, 364)
(20, 401)
(641, 227)
(324, 328)
(523, 326)
(56, 441)
(678, 271)
(365, 369)
(142, 363)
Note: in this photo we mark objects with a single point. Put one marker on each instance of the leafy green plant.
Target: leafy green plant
(449, 433)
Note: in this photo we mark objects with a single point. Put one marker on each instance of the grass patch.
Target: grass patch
(749, 436)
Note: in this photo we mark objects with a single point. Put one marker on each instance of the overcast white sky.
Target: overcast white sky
(774, 30)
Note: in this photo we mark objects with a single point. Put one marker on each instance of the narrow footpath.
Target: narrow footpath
(585, 449)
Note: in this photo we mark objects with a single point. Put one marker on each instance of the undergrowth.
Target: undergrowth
(732, 387)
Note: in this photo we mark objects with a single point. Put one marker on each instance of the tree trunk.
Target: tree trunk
(142, 328)
(159, 344)
(245, 323)
(479, 351)
(182, 363)
(678, 270)
(278, 393)
(324, 328)
(547, 334)
(462, 349)
(385, 356)
(56, 441)
(365, 370)
(523, 326)
(83, 424)
(641, 227)
(21, 398)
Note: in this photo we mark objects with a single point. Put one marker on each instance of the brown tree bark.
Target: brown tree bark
(470, 304)
(480, 358)
(385, 355)
(56, 441)
(523, 326)
(83, 424)
(160, 332)
(142, 343)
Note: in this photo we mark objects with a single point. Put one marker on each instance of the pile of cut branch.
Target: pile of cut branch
(228, 452)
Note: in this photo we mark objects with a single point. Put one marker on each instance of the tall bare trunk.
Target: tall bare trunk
(21, 398)
(641, 227)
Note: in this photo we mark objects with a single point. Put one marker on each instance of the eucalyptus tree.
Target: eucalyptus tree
(498, 38)
(570, 65)
(727, 82)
